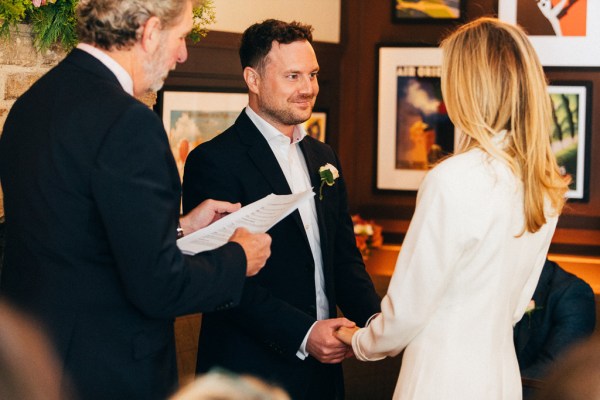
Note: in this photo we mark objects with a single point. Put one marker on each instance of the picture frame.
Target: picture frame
(571, 136)
(316, 125)
(193, 117)
(413, 128)
(427, 10)
(567, 36)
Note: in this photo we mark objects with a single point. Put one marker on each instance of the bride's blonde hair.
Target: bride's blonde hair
(492, 80)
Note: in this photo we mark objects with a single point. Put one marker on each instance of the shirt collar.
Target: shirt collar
(270, 132)
(122, 75)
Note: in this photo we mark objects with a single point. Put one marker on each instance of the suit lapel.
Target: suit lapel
(313, 163)
(261, 154)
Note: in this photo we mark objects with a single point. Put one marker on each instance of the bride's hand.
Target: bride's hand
(345, 334)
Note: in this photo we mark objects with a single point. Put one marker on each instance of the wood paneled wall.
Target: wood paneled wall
(348, 81)
(366, 24)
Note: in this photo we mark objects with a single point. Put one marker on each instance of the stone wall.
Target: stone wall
(20, 66)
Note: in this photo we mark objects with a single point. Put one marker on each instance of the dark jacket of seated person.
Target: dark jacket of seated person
(564, 313)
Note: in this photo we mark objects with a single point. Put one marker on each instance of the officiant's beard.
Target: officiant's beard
(157, 67)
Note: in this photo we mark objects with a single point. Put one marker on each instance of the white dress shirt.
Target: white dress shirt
(122, 75)
(292, 163)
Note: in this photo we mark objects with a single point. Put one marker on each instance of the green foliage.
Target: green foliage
(204, 15)
(54, 22)
(11, 12)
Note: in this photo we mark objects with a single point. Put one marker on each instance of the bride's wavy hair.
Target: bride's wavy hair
(492, 80)
(115, 24)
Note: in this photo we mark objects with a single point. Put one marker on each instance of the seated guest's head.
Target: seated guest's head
(28, 369)
(576, 376)
(219, 385)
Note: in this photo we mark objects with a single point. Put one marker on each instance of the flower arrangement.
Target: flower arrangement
(368, 235)
(53, 21)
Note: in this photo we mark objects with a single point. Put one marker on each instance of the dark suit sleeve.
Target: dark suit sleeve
(573, 318)
(268, 319)
(137, 194)
(355, 293)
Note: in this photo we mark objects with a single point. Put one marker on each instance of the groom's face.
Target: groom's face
(288, 84)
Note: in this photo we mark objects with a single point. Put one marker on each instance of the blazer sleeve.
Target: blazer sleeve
(277, 324)
(136, 190)
(415, 292)
(573, 317)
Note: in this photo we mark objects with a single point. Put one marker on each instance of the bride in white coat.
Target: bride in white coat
(481, 230)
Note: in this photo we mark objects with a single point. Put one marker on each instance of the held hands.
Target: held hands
(345, 334)
(205, 214)
(323, 344)
(257, 247)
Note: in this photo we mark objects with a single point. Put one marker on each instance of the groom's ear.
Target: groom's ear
(252, 78)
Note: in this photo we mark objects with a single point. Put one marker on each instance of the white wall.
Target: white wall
(323, 15)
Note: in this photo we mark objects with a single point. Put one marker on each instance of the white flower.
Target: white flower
(334, 172)
(328, 174)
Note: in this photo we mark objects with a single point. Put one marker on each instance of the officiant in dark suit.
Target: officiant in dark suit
(562, 313)
(283, 329)
(92, 200)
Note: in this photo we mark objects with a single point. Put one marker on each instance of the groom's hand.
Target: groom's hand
(322, 343)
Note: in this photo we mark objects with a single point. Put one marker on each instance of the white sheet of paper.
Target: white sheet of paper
(257, 217)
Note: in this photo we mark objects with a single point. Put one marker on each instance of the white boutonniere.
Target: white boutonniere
(328, 174)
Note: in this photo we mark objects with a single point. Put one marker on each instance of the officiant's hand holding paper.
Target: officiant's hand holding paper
(257, 247)
(257, 217)
(206, 213)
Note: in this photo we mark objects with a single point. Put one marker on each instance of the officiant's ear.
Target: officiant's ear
(150, 34)
(252, 78)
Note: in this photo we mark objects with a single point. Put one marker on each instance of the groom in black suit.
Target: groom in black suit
(283, 329)
(92, 200)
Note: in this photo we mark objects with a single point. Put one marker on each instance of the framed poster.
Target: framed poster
(413, 127)
(191, 118)
(571, 104)
(563, 32)
(316, 126)
(427, 10)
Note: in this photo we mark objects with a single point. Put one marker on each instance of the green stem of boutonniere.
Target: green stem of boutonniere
(321, 190)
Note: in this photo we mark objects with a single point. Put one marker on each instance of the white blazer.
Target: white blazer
(463, 278)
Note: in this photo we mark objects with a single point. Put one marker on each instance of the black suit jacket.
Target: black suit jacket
(92, 201)
(263, 334)
(565, 313)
